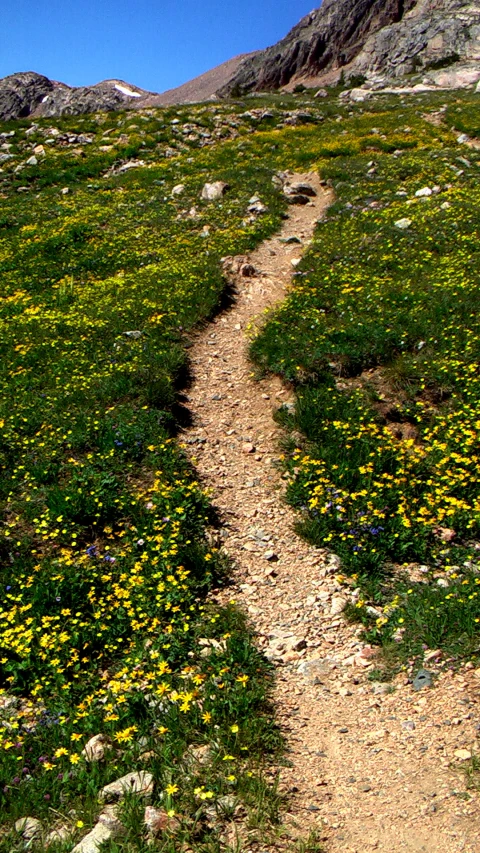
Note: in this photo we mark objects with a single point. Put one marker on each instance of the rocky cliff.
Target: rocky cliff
(361, 37)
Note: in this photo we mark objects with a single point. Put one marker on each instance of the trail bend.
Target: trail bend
(369, 770)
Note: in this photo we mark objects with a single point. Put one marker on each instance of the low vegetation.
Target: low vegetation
(104, 625)
(380, 337)
(109, 257)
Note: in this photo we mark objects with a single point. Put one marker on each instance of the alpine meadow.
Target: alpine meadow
(116, 620)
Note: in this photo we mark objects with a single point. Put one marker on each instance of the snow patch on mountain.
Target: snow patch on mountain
(125, 91)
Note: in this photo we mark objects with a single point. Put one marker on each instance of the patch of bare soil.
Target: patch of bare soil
(373, 766)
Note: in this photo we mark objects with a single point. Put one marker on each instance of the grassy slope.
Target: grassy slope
(105, 560)
(106, 564)
(381, 338)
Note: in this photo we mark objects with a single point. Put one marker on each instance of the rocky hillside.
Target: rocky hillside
(204, 87)
(361, 37)
(342, 38)
(30, 94)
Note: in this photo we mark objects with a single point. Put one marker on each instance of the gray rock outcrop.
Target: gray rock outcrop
(361, 37)
(20, 94)
(30, 94)
(434, 34)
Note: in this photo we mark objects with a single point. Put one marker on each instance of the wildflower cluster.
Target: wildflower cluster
(105, 564)
(108, 257)
(380, 335)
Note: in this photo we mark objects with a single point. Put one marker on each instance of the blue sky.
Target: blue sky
(156, 45)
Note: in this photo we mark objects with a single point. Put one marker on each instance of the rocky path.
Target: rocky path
(373, 767)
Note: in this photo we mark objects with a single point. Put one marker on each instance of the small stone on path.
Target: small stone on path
(338, 605)
(463, 754)
(422, 679)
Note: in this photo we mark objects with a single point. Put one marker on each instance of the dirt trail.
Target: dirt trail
(371, 769)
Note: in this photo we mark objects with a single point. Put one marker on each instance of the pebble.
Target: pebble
(315, 671)
(139, 782)
(463, 754)
(247, 447)
(422, 679)
(338, 605)
(28, 827)
(435, 654)
(289, 240)
(381, 689)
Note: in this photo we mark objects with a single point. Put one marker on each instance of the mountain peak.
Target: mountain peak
(30, 94)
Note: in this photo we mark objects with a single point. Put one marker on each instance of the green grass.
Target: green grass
(472, 773)
(380, 337)
(105, 562)
(105, 624)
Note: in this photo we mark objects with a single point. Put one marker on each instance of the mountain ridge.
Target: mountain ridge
(342, 40)
(31, 94)
(348, 38)
(28, 93)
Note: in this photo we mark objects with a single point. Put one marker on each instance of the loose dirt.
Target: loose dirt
(373, 767)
